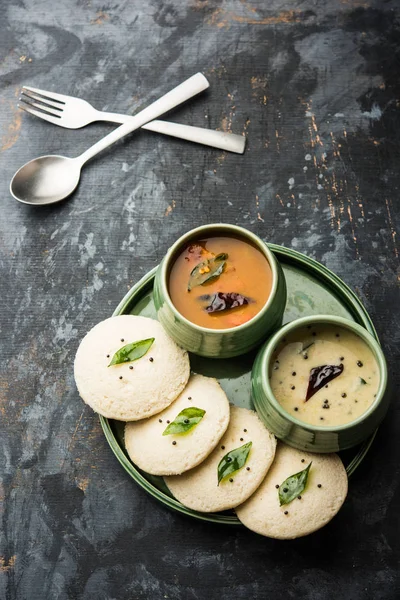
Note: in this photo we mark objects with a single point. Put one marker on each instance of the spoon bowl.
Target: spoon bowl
(45, 180)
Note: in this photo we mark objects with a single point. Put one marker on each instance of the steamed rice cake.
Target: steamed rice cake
(199, 488)
(172, 454)
(131, 390)
(324, 494)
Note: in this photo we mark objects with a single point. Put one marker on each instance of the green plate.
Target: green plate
(312, 289)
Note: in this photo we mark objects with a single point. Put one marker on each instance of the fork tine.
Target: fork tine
(48, 95)
(41, 100)
(46, 109)
(41, 114)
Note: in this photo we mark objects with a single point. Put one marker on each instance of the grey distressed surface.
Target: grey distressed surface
(315, 87)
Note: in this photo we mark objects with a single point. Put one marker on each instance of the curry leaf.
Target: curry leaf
(185, 421)
(131, 352)
(233, 461)
(320, 376)
(224, 301)
(306, 347)
(207, 270)
(293, 486)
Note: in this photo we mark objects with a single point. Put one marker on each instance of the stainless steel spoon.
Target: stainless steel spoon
(49, 179)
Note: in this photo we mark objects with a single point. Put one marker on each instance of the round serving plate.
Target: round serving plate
(312, 289)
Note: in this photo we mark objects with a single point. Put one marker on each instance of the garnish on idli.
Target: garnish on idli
(301, 493)
(183, 435)
(127, 368)
(233, 471)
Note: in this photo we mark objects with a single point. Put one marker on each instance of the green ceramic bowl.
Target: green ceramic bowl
(219, 343)
(301, 435)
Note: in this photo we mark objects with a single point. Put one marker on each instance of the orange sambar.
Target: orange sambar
(246, 272)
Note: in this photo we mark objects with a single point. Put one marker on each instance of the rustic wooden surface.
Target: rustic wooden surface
(315, 87)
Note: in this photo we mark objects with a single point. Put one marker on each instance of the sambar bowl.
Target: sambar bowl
(219, 343)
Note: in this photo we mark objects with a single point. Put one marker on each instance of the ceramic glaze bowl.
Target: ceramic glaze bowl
(297, 433)
(219, 343)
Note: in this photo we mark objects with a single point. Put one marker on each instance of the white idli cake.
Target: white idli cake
(183, 435)
(310, 509)
(247, 445)
(149, 373)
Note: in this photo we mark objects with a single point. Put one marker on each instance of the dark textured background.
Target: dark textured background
(315, 87)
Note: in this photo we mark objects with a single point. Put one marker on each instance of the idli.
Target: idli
(199, 417)
(246, 444)
(134, 389)
(311, 508)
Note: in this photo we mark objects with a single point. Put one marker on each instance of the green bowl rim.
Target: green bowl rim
(320, 271)
(270, 345)
(195, 233)
(290, 257)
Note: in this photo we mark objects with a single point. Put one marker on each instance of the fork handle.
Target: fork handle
(199, 135)
(189, 88)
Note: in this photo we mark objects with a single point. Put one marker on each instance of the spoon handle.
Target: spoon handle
(189, 88)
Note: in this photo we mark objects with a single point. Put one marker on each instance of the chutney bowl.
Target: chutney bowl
(297, 433)
(219, 343)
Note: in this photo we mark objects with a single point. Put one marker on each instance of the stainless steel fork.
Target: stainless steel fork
(73, 113)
